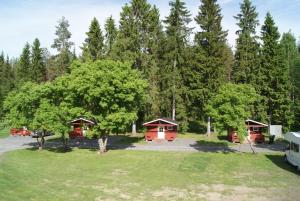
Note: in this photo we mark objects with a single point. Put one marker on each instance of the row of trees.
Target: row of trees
(183, 75)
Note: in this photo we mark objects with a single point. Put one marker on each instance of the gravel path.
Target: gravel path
(190, 145)
(13, 143)
(186, 145)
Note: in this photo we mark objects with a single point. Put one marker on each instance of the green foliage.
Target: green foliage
(140, 42)
(110, 92)
(111, 32)
(38, 67)
(232, 106)
(93, 48)
(23, 70)
(211, 59)
(274, 77)
(291, 58)
(175, 63)
(63, 45)
(247, 48)
(6, 79)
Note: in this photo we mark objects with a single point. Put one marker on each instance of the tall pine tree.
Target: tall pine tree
(175, 57)
(247, 47)
(210, 69)
(292, 61)
(110, 34)
(24, 72)
(274, 77)
(63, 45)
(38, 66)
(93, 48)
(139, 41)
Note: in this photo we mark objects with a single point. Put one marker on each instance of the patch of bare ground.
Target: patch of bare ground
(202, 192)
(119, 172)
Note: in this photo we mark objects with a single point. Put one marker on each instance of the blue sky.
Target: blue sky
(23, 20)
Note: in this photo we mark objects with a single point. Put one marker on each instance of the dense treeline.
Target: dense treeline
(183, 74)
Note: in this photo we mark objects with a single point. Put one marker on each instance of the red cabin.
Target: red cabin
(21, 132)
(80, 127)
(162, 128)
(255, 131)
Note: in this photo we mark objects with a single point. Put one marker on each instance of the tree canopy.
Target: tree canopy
(232, 106)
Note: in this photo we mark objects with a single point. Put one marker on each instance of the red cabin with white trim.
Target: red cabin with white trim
(162, 128)
(80, 126)
(254, 129)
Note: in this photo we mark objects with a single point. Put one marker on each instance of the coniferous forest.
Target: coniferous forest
(170, 69)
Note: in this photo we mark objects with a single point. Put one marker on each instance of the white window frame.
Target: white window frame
(170, 128)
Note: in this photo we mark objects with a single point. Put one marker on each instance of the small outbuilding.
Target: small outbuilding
(80, 126)
(255, 131)
(161, 128)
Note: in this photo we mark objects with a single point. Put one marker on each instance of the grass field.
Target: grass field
(4, 132)
(140, 175)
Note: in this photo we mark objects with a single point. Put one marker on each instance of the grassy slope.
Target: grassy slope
(83, 175)
(4, 132)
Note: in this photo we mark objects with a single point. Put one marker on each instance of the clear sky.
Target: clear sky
(23, 20)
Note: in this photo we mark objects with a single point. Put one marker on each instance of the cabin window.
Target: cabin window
(295, 147)
(170, 128)
(161, 129)
(255, 129)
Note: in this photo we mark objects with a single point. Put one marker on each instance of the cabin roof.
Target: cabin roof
(81, 119)
(167, 120)
(256, 122)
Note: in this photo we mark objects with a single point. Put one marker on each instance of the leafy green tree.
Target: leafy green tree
(175, 57)
(24, 66)
(63, 45)
(210, 67)
(247, 47)
(38, 67)
(274, 77)
(111, 32)
(231, 107)
(110, 92)
(93, 48)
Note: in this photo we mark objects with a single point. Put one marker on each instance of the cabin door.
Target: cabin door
(160, 133)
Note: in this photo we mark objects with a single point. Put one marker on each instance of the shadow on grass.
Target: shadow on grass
(114, 142)
(214, 147)
(279, 161)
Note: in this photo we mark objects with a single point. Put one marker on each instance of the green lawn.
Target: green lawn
(142, 175)
(4, 132)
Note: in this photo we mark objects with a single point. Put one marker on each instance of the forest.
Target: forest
(145, 67)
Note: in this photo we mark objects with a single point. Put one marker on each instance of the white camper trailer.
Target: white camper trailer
(292, 152)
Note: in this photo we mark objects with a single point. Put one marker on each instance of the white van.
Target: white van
(292, 153)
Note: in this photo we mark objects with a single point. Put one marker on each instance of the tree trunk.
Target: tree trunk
(174, 91)
(208, 126)
(65, 142)
(39, 143)
(133, 128)
(102, 142)
(251, 146)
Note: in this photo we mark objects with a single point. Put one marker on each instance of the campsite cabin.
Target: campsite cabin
(161, 129)
(292, 153)
(255, 131)
(80, 126)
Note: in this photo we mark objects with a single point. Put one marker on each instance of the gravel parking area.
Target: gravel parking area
(188, 145)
